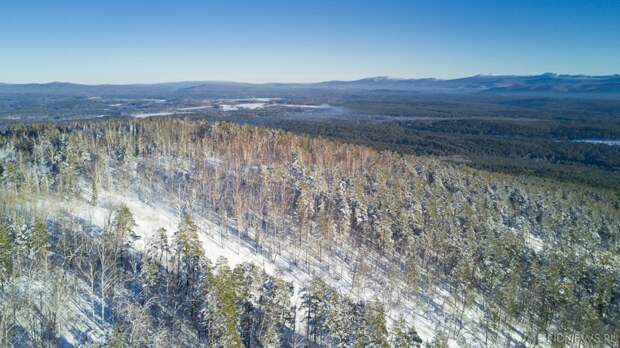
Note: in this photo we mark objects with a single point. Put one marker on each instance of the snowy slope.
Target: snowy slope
(428, 315)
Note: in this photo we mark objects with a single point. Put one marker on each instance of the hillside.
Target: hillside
(160, 232)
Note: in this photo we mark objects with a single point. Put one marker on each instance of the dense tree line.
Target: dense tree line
(494, 145)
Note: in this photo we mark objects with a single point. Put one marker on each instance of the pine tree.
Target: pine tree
(68, 161)
(269, 335)
(247, 284)
(123, 225)
(440, 340)
(275, 304)
(22, 236)
(359, 326)
(6, 251)
(314, 300)
(94, 192)
(186, 238)
(116, 340)
(227, 306)
(188, 256)
(203, 293)
(405, 336)
(40, 240)
(188, 249)
(377, 331)
(161, 245)
(150, 273)
(336, 320)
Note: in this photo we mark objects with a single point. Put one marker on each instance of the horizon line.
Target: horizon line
(307, 82)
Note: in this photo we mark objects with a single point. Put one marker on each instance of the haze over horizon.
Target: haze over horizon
(268, 82)
(148, 42)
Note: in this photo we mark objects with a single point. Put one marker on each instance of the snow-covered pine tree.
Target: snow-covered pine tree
(226, 305)
(6, 252)
(94, 192)
(22, 237)
(150, 275)
(123, 225)
(197, 293)
(314, 302)
(377, 330)
(161, 246)
(405, 335)
(337, 320)
(40, 240)
(187, 243)
(188, 255)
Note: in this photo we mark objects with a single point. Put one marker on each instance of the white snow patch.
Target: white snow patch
(249, 106)
(533, 242)
(237, 100)
(228, 107)
(303, 106)
(191, 108)
(151, 114)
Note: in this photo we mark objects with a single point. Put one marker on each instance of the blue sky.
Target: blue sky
(119, 41)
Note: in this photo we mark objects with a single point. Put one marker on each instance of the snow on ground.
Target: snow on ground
(191, 108)
(150, 217)
(429, 310)
(150, 114)
(81, 313)
(304, 106)
(249, 106)
(533, 242)
(228, 107)
(598, 141)
(262, 105)
(237, 100)
(78, 316)
(265, 99)
(427, 314)
(220, 242)
(224, 105)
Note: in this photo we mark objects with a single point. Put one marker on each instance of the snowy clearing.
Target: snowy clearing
(218, 242)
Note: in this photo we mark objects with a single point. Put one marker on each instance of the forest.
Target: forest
(520, 135)
(468, 141)
(397, 249)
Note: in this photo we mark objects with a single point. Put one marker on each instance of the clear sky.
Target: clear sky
(119, 41)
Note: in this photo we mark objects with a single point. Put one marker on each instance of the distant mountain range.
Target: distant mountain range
(548, 83)
(544, 84)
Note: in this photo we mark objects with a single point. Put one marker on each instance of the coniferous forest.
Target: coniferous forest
(165, 232)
